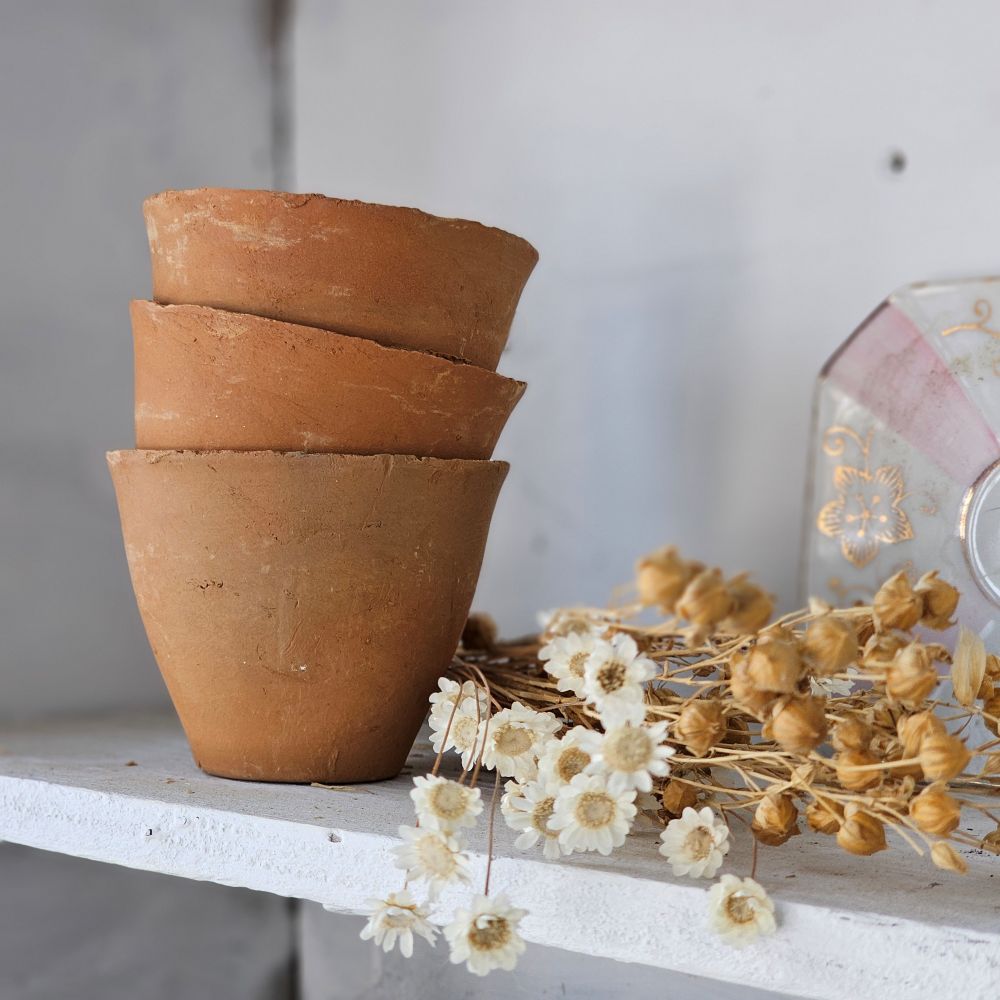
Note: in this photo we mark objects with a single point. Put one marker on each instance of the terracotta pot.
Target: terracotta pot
(302, 607)
(395, 275)
(205, 378)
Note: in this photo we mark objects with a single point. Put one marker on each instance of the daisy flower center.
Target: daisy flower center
(541, 815)
(740, 909)
(488, 933)
(513, 740)
(448, 800)
(398, 917)
(611, 676)
(464, 731)
(628, 750)
(435, 856)
(595, 809)
(699, 843)
(571, 762)
(576, 664)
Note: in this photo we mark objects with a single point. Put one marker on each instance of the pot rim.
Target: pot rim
(152, 306)
(293, 200)
(154, 456)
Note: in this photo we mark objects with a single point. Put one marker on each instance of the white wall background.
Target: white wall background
(101, 104)
(710, 188)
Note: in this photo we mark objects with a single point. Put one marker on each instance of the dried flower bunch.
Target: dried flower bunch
(713, 714)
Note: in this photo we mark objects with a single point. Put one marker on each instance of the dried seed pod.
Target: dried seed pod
(701, 725)
(750, 609)
(881, 649)
(480, 632)
(911, 678)
(775, 819)
(991, 842)
(799, 723)
(824, 817)
(896, 605)
(852, 733)
(943, 757)
(830, 645)
(705, 601)
(860, 832)
(993, 666)
(946, 857)
(912, 729)
(662, 576)
(750, 698)
(992, 709)
(775, 665)
(737, 730)
(935, 811)
(987, 689)
(939, 601)
(847, 763)
(678, 796)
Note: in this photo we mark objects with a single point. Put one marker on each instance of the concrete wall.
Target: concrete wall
(101, 104)
(719, 191)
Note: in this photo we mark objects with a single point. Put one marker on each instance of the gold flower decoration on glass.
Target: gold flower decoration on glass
(866, 512)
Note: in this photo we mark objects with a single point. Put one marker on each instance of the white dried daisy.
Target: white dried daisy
(696, 843)
(515, 737)
(631, 755)
(431, 855)
(485, 937)
(445, 805)
(740, 910)
(528, 808)
(569, 755)
(463, 733)
(449, 692)
(582, 621)
(835, 686)
(590, 816)
(397, 917)
(565, 658)
(613, 680)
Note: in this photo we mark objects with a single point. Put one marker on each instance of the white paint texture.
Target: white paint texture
(709, 186)
(67, 787)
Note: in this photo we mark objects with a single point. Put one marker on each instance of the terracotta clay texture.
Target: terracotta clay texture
(395, 275)
(302, 607)
(209, 379)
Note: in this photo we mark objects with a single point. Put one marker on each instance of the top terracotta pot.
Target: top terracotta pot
(395, 275)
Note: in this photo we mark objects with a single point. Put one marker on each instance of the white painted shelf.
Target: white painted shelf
(125, 791)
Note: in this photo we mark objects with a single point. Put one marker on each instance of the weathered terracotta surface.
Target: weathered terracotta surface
(301, 607)
(395, 275)
(205, 378)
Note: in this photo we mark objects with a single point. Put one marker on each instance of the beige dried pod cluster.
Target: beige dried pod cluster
(860, 832)
(824, 817)
(798, 723)
(751, 607)
(935, 811)
(939, 601)
(912, 676)
(701, 725)
(775, 819)
(833, 715)
(678, 796)
(830, 645)
(662, 576)
(896, 605)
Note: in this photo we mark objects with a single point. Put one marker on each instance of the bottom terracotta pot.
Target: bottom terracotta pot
(301, 607)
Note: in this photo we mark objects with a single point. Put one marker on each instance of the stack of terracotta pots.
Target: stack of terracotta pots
(304, 517)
